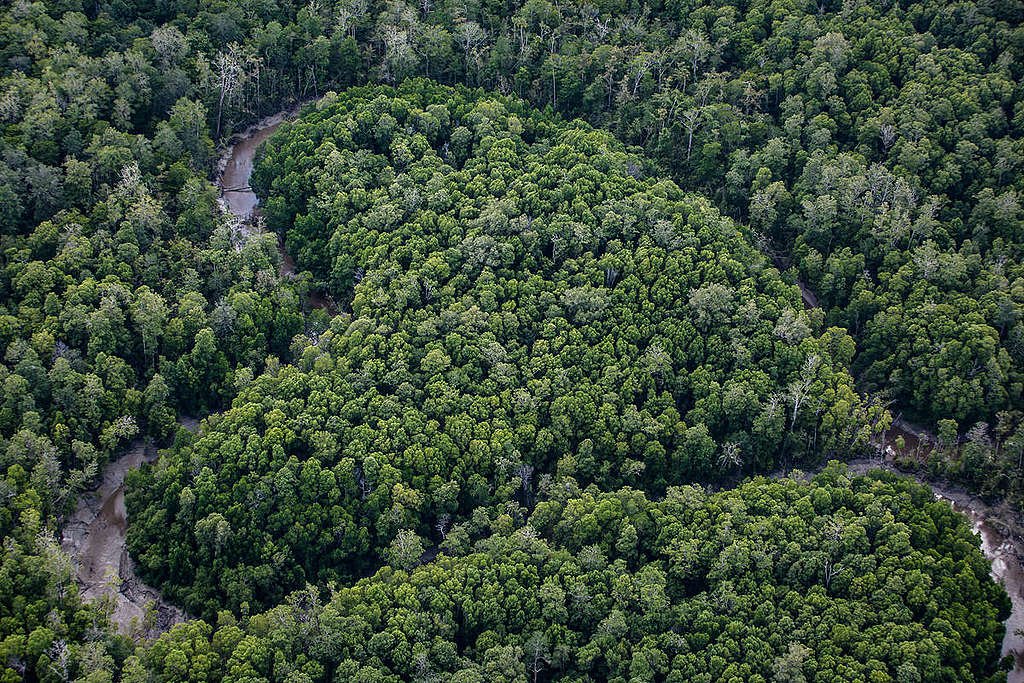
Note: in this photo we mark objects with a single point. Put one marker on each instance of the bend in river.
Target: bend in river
(235, 167)
(1002, 548)
(1005, 552)
(94, 537)
(1000, 544)
(95, 534)
(237, 197)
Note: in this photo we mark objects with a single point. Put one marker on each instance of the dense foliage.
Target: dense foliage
(528, 305)
(877, 146)
(125, 300)
(848, 579)
(874, 146)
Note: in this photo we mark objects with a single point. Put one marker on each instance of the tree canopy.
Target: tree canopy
(846, 578)
(532, 313)
(528, 303)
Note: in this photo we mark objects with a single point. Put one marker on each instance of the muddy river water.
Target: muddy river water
(235, 168)
(94, 536)
(237, 197)
(1006, 568)
(999, 543)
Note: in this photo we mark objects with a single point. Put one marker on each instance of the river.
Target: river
(94, 537)
(998, 544)
(234, 172)
(1005, 553)
(997, 534)
(235, 167)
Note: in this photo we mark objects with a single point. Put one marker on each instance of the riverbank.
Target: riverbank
(234, 171)
(95, 539)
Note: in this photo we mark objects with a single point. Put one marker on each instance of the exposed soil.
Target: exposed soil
(94, 537)
(1001, 540)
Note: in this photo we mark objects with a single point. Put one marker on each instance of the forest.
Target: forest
(595, 268)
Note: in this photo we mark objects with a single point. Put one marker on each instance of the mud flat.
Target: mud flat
(94, 537)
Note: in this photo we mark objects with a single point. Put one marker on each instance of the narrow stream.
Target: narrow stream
(94, 537)
(1006, 569)
(998, 544)
(235, 168)
(237, 197)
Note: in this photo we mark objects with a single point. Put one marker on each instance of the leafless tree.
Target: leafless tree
(693, 120)
(346, 12)
(230, 68)
(444, 521)
(887, 133)
(698, 49)
(471, 37)
(536, 654)
(800, 388)
(832, 570)
(730, 457)
(60, 659)
(643, 63)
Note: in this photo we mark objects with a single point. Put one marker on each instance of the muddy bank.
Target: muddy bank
(1005, 553)
(94, 537)
(235, 166)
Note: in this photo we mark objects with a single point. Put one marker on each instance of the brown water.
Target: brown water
(1005, 553)
(94, 537)
(237, 168)
(235, 172)
(1000, 544)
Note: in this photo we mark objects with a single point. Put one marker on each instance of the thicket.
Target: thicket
(873, 147)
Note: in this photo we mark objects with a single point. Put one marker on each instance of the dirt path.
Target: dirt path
(94, 537)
